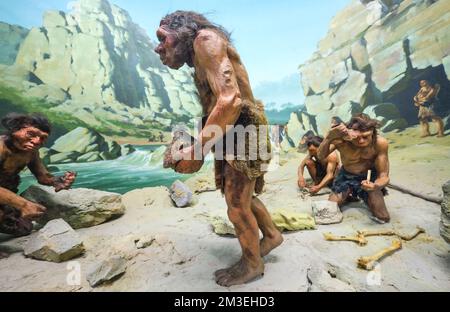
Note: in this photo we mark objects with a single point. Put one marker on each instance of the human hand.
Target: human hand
(368, 186)
(64, 182)
(338, 132)
(301, 182)
(32, 210)
(314, 189)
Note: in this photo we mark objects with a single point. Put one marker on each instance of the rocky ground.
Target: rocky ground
(183, 252)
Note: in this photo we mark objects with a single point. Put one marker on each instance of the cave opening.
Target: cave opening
(403, 98)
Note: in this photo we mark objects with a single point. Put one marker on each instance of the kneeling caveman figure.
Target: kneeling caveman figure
(361, 150)
(227, 100)
(19, 148)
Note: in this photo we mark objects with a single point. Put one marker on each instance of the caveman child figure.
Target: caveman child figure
(227, 99)
(425, 100)
(361, 150)
(321, 172)
(19, 148)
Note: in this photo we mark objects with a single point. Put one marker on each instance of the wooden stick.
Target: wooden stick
(434, 199)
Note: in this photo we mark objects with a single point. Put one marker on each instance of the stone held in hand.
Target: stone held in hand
(106, 271)
(326, 212)
(80, 208)
(56, 242)
(181, 194)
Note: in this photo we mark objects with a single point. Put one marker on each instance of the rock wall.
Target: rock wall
(377, 52)
(98, 65)
(11, 37)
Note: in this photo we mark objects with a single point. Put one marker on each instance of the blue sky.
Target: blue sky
(273, 36)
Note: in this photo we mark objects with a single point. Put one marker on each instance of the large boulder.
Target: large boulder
(80, 140)
(56, 242)
(80, 208)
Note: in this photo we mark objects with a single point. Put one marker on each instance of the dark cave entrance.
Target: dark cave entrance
(408, 88)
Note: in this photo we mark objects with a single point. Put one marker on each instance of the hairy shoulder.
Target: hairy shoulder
(210, 42)
(382, 144)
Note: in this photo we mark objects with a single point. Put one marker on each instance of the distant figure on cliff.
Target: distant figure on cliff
(425, 99)
(19, 148)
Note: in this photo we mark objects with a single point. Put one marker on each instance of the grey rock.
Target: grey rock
(106, 271)
(56, 242)
(64, 158)
(181, 194)
(11, 37)
(79, 207)
(126, 149)
(396, 124)
(326, 212)
(89, 157)
(80, 140)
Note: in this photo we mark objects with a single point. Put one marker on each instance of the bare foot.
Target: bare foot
(440, 136)
(240, 273)
(425, 135)
(268, 244)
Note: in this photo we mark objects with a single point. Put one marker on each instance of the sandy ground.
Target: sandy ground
(186, 252)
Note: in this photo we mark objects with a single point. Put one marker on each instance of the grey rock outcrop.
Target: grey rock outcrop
(96, 64)
(11, 37)
(326, 212)
(376, 53)
(80, 208)
(56, 242)
(85, 145)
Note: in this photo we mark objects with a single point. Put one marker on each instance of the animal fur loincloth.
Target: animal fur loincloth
(346, 181)
(254, 169)
(426, 111)
(11, 221)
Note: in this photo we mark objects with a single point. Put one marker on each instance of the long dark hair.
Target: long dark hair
(363, 122)
(186, 24)
(14, 122)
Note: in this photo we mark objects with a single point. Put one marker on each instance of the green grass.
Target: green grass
(11, 100)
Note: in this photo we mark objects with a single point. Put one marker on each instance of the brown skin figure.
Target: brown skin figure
(19, 148)
(223, 85)
(361, 149)
(424, 100)
(322, 172)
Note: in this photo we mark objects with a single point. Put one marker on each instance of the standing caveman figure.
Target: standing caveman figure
(361, 150)
(227, 100)
(19, 148)
(425, 100)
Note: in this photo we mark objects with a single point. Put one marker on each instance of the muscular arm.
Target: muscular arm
(40, 172)
(382, 163)
(301, 168)
(327, 147)
(211, 56)
(331, 168)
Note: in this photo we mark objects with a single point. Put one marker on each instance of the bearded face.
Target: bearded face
(171, 49)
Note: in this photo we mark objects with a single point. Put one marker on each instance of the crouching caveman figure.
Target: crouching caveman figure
(19, 148)
(227, 100)
(321, 172)
(361, 150)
